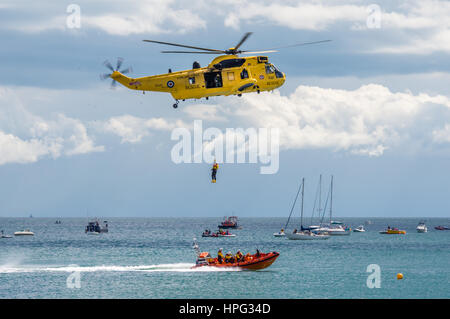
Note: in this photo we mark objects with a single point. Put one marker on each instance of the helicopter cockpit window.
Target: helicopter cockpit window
(278, 74)
(270, 69)
(244, 74)
(192, 80)
(231, 63)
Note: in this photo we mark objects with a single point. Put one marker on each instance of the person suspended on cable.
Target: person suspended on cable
(214, 171)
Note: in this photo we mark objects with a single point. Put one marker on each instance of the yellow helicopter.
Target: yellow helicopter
(228, 74)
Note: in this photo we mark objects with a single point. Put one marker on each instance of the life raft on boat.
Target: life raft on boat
(249, 262)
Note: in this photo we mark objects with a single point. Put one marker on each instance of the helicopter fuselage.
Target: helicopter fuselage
(225, 75)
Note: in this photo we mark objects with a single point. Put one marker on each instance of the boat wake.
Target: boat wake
(177, 267)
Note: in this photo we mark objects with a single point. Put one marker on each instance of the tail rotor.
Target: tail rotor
(108, 65)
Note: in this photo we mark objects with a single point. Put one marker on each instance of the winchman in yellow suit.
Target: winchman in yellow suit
(214, 172)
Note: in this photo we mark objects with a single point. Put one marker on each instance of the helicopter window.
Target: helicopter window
(262, 59)
(231, 63)
(278, 74)
(270, 69)
(244, 74)
(230, 76)
(192, 80)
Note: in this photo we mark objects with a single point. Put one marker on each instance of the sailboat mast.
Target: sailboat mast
(303, 195)
(331, 199)
(320, 194)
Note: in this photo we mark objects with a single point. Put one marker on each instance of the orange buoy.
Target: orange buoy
(399, 276)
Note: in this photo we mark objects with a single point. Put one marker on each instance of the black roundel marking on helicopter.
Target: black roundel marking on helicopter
(170, 84)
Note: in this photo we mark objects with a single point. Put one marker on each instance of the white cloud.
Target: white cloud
(116, 18)
(133, 129)
(26, 138)
(365, 121)
(442, 135)
(298, 16)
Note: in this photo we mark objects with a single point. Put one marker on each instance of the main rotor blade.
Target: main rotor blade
(182, 45)
(198, 52)
(299, 44)
(244, 38)
(258, 52)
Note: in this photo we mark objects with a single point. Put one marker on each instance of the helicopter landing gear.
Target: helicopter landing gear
(175, 105)
(239, 94)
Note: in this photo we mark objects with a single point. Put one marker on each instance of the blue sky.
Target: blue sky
(372, 107)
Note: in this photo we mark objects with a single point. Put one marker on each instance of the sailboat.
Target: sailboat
(281, 233)
(334, 229)
(304, 233)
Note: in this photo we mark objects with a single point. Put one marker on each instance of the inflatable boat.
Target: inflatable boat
(249, 262)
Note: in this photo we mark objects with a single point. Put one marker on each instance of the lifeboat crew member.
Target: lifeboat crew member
(228, 257)
(239, 256)
(220, 257)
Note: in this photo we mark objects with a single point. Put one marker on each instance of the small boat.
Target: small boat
(307, 235)
(2, 235)
(421, 227)
(220, 233)
(441, 228)
(359, 229)
(94, 228)
(250, 262)
(230, 222)
(279, 234)
(393, 231)
(334, 231)
(26, 232)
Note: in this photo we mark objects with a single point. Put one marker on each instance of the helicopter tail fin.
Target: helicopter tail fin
(125, 80)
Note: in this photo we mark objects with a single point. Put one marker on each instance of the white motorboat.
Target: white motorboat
(26, 232)
(422, 228)
(306, 235)
(279, 234)
(359, 229)
(334, 231)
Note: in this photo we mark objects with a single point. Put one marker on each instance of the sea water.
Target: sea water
(152, 258)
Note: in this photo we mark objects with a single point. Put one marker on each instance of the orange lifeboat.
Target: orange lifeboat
(249, 262)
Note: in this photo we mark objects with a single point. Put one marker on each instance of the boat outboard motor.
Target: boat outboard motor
(196, 65)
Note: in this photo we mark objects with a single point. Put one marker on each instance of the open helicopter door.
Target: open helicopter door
(213, 79)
